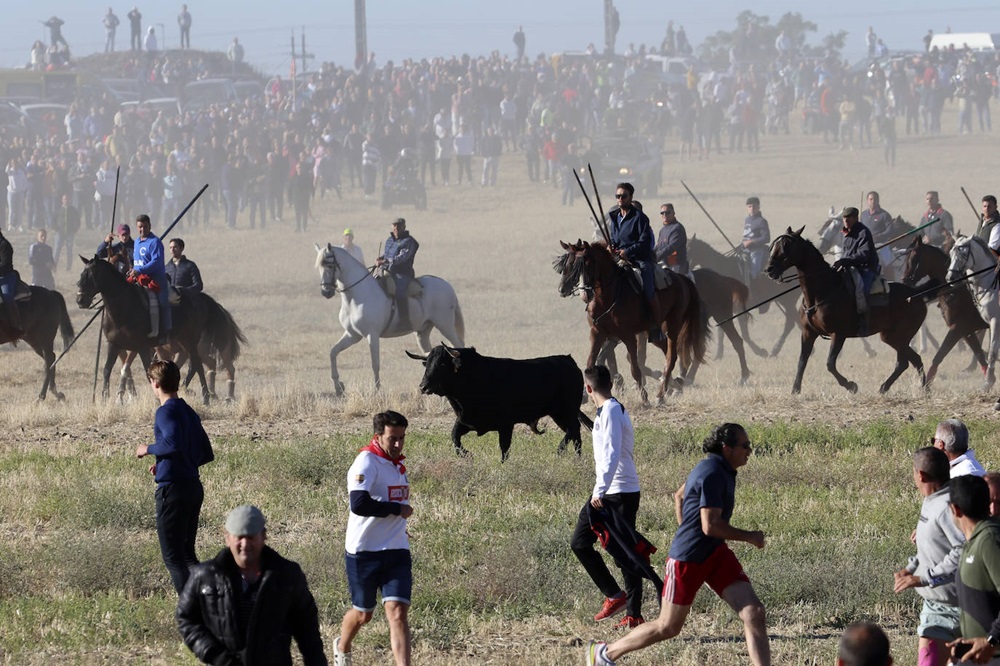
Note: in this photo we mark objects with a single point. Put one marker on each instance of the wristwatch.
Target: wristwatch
(994, 641)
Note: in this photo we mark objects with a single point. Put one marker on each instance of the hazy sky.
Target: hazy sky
(422, 28)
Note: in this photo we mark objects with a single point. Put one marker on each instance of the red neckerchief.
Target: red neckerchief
(374, 448)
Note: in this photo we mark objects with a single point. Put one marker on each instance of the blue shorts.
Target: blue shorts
(388, 570)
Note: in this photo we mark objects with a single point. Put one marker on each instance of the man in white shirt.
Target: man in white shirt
(952, 437)
(615, 490)
(377, 545)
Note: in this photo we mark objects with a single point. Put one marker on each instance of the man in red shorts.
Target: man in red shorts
(699, 554)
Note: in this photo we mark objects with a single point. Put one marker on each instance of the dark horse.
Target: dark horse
(721, 296)
(956, 304)
(126, 324)
(702, 254)
(829, 309)
(615, 310)
(41, 316)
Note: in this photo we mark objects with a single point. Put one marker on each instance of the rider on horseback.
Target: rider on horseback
(756, 239)
(859, 253)
(400, 249)
(632, 241)
(8, 286)
(148, 261)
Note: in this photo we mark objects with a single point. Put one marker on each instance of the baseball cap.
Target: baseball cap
(348, 231)
(124, 229)
(245, 520)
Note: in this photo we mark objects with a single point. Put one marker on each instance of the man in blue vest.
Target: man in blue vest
(397, 261)
(632, 241)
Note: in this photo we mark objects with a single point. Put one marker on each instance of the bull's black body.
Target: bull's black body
(493, 394)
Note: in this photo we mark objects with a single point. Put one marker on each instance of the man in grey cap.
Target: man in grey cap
(756, 239)
(245, 605)
(859, 253)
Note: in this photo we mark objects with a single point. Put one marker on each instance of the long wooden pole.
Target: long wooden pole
(710, 218)
(100, 331)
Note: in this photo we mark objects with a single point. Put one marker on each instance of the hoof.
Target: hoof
(61, 397)
(996, 406)
(871, 353)
(853, 387)
(760, 352)
(744, 380)
(462, 453)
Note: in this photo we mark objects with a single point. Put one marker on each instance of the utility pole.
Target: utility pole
(293, 68)
(360, 35)
(611, 23)
(306, 57)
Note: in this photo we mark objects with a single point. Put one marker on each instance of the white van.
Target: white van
(974, 41)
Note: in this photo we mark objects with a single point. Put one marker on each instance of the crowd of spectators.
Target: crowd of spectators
(345, 127)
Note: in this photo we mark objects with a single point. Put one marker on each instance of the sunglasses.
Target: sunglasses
(666, 212)
(622, 196)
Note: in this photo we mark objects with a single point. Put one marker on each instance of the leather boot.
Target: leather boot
(403, 313)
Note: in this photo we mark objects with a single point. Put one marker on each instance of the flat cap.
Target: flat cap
(245, 520)
(849, 211)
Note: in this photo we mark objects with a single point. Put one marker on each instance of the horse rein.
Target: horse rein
(333, 260)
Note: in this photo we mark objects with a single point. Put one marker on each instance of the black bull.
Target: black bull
(490, 394)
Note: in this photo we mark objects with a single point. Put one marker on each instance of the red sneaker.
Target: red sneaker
(612, 605)
(629, 622)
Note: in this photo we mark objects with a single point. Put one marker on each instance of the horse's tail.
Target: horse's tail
(695, 332)
(741, 294)
(459, 321)
(221, 334)
(65, 325)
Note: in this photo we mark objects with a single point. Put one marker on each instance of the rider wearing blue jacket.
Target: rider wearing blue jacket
(148, 259)
(632, 239)
(400, 250)
(859, 252)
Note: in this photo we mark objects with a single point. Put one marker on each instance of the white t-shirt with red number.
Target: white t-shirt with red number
(385, 483)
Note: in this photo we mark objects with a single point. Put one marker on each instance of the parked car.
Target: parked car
(201, 94)
(170, 106)
(14, 122)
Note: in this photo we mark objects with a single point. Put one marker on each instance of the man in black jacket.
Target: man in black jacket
(244, 606)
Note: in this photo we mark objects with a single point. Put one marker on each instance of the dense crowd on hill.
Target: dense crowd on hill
(349, 127)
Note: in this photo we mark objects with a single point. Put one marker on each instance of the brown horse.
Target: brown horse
(957, 307)
(721, 296)
(615, 310)
(829, 309)
(42, 316)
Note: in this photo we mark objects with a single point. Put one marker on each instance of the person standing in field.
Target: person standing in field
(181, 447)
(246, 604)
(699, 554)
(613, 505)
(377, 546)
(931, 572)
(978, 591)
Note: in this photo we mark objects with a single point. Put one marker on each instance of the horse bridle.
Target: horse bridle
(330, 258)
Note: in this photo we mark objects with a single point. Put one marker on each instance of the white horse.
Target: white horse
(969, 255)
(367, 312)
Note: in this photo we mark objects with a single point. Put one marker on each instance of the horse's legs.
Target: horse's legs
(630, 343)
(745, 331)
(200, 370)
(718, 348)
(737, 342)
(109, 365)
(951, 338)
(424, 339)
(991, 358)
(836, 345)
(346, 340)
(127, 360)
(373, 349)
(904, 354)
(808, 341)
(449, 332)
(926, 336)
(606, 357)
(670, 360)
(791, 318)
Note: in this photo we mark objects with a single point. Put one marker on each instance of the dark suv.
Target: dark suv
(631, 159)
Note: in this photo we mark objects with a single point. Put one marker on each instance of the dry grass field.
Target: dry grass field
(80, 576)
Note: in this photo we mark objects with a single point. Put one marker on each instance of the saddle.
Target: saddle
(663, 278)
(23, 291)
(388, 284)
(877, 297)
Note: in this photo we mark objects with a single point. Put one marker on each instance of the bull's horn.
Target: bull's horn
(416, 357)
(451, 352)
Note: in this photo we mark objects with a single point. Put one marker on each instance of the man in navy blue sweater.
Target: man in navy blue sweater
(181, 447)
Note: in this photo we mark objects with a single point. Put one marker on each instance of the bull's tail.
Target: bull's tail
(695, 332)
(534, 427)
(585, 421)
